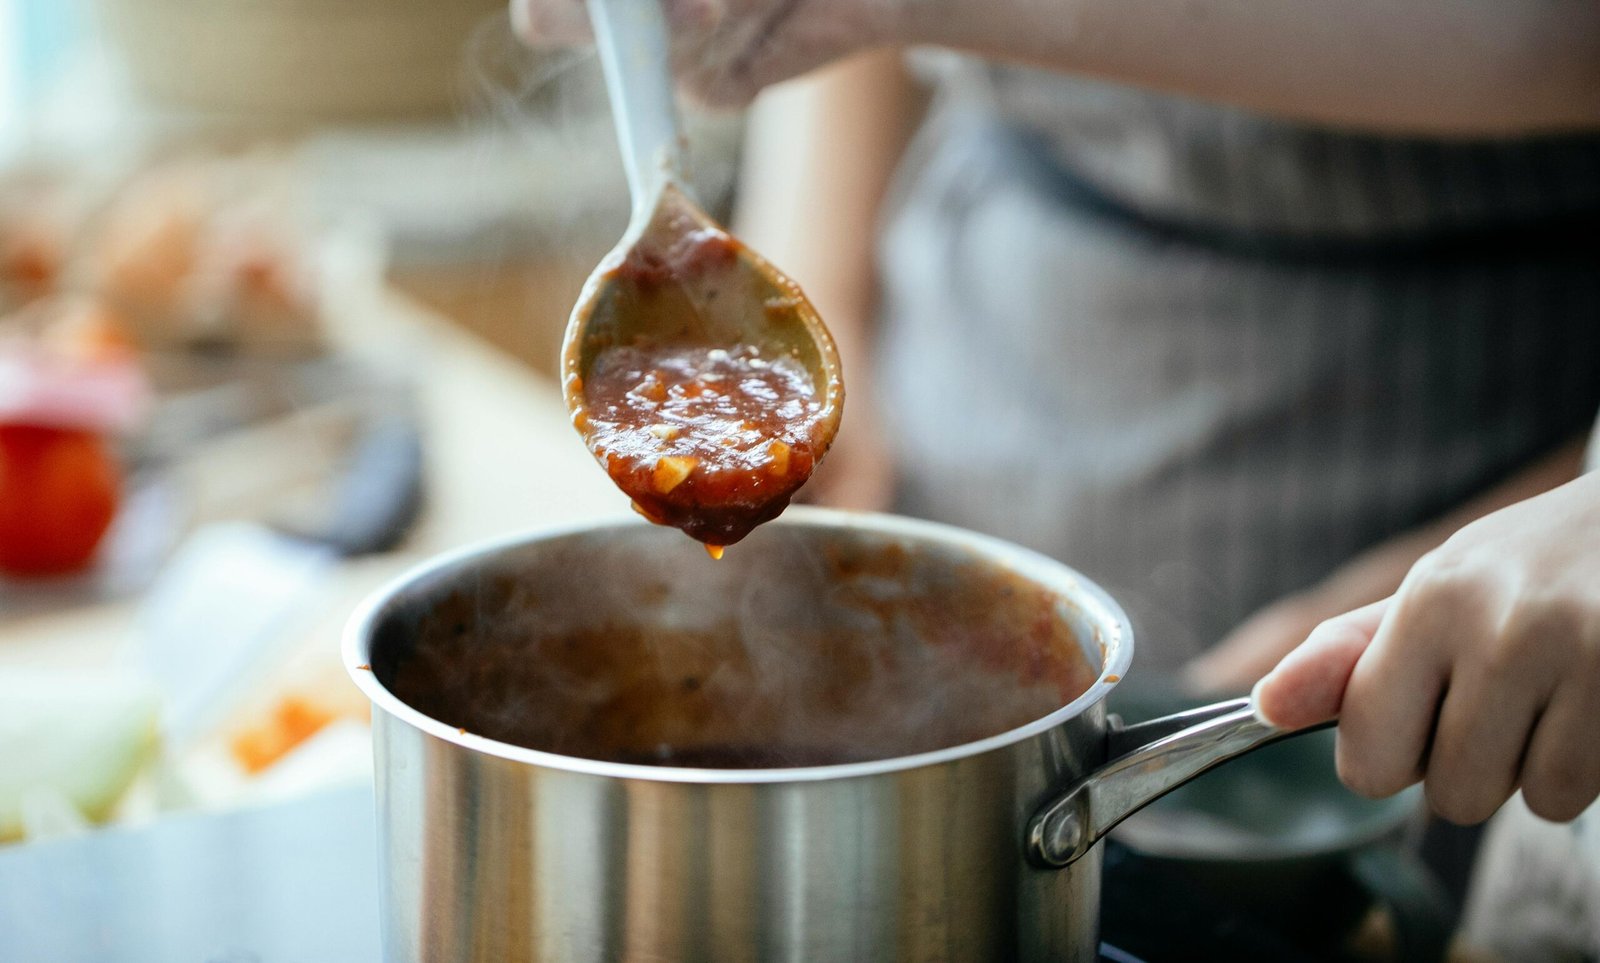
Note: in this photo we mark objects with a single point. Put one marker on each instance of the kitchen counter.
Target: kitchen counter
(500, 456)
(295, 882)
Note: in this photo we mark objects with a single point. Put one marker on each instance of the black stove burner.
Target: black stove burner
(1160, 917)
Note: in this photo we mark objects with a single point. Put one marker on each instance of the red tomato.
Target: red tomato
(59, 489)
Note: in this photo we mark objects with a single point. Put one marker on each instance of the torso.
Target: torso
(1206, 362)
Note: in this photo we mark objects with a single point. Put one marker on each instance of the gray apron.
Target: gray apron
(1207, 357)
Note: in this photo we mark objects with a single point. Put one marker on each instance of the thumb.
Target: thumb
(1307, 687)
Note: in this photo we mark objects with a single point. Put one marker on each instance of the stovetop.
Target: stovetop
(1147, 911)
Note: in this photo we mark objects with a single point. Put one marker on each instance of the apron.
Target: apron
(1206, 357)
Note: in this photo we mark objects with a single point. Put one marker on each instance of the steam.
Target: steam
(544, 115)
(801, 647)
(552, 105)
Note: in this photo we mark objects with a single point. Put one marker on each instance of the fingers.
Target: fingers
(730, 59)
(565, 23)
(1560, 633)
(724, 52)
(1514, 675)
(1390, 703)
(1308, 686)
(1561, 773)
(1473, 763)
(551, 23)
(751, 62)
(1483, 673)
(753, 44)
(1506, 672)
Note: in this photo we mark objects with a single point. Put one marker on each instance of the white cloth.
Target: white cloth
(1535, 897)
(1536, 893)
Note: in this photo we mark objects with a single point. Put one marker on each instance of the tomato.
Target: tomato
(59, 489)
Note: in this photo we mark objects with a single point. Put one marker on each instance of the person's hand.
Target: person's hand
(725, 51)
(1480, 676)
(1256, 645)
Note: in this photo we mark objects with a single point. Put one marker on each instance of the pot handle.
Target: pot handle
(1147, 761)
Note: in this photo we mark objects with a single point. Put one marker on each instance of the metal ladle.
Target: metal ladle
(746, 301)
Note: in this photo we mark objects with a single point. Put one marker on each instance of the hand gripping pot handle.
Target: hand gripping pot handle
(1146, 761)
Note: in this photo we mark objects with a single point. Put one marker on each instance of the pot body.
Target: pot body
(501, 852)
(485, 859)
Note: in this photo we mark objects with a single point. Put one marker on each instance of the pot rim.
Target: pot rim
(1073, 587)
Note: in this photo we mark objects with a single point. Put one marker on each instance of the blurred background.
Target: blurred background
(282, 284)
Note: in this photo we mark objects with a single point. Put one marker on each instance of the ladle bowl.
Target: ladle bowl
(658, 284)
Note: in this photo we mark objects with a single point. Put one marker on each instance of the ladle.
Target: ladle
(676, 277)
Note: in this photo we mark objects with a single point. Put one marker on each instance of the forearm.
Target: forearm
(1377, 573)
(819, 158)
(1256, 645)
(1438, 67)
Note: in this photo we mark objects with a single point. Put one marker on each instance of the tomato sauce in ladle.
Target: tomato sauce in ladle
(699, 375)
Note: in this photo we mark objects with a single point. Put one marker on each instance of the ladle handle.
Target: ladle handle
(1148, 761)
(632, 40)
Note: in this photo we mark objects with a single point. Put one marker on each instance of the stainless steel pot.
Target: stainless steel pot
(939, 696)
